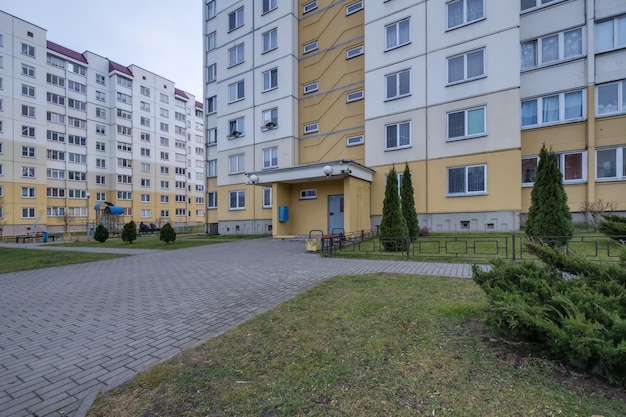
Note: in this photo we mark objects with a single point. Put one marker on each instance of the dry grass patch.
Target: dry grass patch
(373, 345)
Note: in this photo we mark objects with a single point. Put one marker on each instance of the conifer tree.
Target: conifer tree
(101, 234)
(613, 226)
(167, 234)
(549, 214)
(129, 232)
(408, 204)
(393, 229)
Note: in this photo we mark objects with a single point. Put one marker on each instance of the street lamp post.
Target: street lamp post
(88, 195)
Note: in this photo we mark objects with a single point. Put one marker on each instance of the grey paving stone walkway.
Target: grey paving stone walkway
(68, 332)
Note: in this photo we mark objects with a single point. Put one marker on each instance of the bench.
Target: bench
(36, 237)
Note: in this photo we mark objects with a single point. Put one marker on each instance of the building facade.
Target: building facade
(79, 132)
(310, 103)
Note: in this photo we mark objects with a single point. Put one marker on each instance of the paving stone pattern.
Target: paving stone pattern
(68, 332)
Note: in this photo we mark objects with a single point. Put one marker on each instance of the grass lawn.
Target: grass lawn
(372, 345)
(12, 260)
(153, 242)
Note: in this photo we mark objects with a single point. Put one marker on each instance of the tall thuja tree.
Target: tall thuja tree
(393, 229)
(408, 203)
(549, 213)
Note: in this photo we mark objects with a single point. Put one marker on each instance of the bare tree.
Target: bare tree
(593, 211)
(68, 220)
(3, 222)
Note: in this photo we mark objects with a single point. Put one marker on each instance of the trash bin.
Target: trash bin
(313, 243)
(45, 237)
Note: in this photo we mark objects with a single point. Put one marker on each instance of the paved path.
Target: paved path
(68, 332)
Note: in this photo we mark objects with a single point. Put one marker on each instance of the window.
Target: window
(555, 108)
(28, 90)
(398, 136)
(165, 185)
(77, 69)
(467, 180)
(309, 194)
(211, 104)
(397, 34)
(28, 131)
(28, 70)
(237, 200)
(101, 129)
(124, 98)
(28, 151)
(124, 114)
(76, 104)
(124, 130)
(571, 164)
(55, 80)
(270, 40)
(236, 91)
(553, 48)
(235, 19)
(398, 85)
(77, 140)
(145, 152)
(164, 113)
(164, 127)
(211, 41)
(124, 82)
(310, 47)
(310, 6)
(611, 164)
(101, 179)
(236, 127)
(210, 9)
(270, 158)
(311, 128)
(101, 196)
(527, 5)
(611, 98)
(78, 87)
(211, 73)
(270, 79)
(55, 174)
(77, 158)
(235, 55)
(145, 167)
(28, 50)
(270, 119)
(145, 121)
(269, 5)
(355, 140)
(100, 146)
(211, 200)
(354, 52)
(77, 176)
(236, 164)
(267, 197)
(123, 146)
(164, 141)
(55, 192)
(164, 98)
(468, 66)
(29, 111)
(145, 198)
(125, 195)
(145, 137)
(461, 12)
(55, 99)
(310, 87)
(144, 91)
(354, 7)
(144, 106)
(101, 113)
(466, 123)
(100, 79)
(28, 172)
(55, 61)
(211, 168)
(101, 96)
(146, 213)
(611, 34)
(354, 96)
(28, 212)
(28, 192)
(100, 163)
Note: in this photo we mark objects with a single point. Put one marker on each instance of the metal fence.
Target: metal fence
(467, 247)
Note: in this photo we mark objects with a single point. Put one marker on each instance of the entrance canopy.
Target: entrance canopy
(312, 172)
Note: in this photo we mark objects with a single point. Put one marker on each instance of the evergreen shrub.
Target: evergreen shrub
(167, 234)
(101, 234)
(129, 232)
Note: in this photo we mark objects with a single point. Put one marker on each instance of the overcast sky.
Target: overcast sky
(161, 36)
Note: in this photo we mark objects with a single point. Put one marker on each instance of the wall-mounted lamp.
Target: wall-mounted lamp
(253, 178)
(328, 170)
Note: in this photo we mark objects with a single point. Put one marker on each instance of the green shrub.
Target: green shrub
(408, 204)
(101, 234)
(167, 234)
(613, 226)
(129, 232)
(573, 308)
(393, 230)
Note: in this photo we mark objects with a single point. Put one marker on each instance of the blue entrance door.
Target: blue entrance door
(335, 213)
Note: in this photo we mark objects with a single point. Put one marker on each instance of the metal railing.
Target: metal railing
(464, 247)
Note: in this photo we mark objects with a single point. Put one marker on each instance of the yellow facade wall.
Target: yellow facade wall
(561, 138)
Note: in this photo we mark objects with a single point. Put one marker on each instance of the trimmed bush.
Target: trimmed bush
(101, 234)
(167, 234)
(129, 232)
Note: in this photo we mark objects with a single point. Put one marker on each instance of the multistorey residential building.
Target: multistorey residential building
(310, 103)
(80, 133)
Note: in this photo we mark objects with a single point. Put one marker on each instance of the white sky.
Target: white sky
(161, 36)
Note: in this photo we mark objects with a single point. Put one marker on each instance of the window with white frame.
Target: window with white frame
(467, 66)
(269, 5)
(308, 194)
(28, 70)
(235, 19)
(237, 200)
(355, 140)
(101, 179)
(146, 213)
(29, 111)
(308, 7)
(573, 167)
(211, 168)
(552, 48)
(28, 172)
(611, 98)
(310, 87)
(100, 163)
(354, 96)
(354, 7)
(235, 55)
(528, 5)
(267, 197)
(529, 169)
(28, 131)
(211, 10)
(165, 127)
(100, 96)
(211, 200)
(270, 118)
(164, 98)
(462, 12)
(236, 164)
(211, 73)
(311, 128)
(211, 41)
(28, 212)
(28, 50)
(28, 192)
(310, 47)
(397, 135)
(54, 99)
(145, 198)
(211, 104)
(556, 108)
(236, 128)
(55, 80)
(270, 40)
(354, 52)
(397, 34)
(77, 104)
(467, 180)
(270, 79)
(611, 34)
(270, 158)
(28, 90)
(28, 151)
(611, 163)
(398, 84)
(468, 123)
(101, 79)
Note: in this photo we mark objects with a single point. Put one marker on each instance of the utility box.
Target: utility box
(283, 213)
